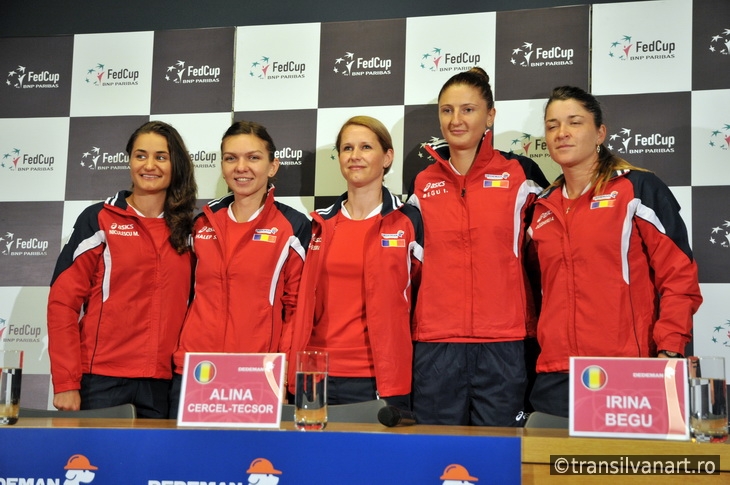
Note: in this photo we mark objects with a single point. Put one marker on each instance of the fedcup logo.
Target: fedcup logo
(13, 245)
(22, 78)
(529, 55)
(204, 372)
(720, 138)
(626, 48)
(101, 75)
(268, 69)
(180, 73)
(423, 153)
(289, 156)
(641, 142)
(430, 60)
(19, 333)
(720, 43)
(96, 159)
(522, 144)
(437, 59)
(594, 378)
(350, 64)
(10, 159)
(721, 334)
(529, 145)
(15, 160)
(720, 235)
(95, 75)
(260, 68)
(204, 159)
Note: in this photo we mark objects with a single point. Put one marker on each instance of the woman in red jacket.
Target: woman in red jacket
(359, 280)
(473, 308)
(122, 282)
(249, 251)
(618, 277)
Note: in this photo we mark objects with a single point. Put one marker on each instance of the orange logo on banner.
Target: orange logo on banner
(79, 470)
(457, 473)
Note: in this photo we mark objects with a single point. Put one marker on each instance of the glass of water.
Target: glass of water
(707, 399)
(310, 395)
(11, 373)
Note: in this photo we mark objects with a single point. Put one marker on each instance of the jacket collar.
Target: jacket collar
(439, 149)
(222, 203)
(390, 203)
(119, 200)
(558, 184)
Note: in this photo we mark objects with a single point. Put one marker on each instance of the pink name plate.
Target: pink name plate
(629, 398)
(232, 390)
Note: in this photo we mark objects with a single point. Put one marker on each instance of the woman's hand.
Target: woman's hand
(67, 401)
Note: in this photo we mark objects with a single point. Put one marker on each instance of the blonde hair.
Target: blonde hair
(372, 124)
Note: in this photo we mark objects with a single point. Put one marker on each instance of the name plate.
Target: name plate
(232, 390)
(629, 398)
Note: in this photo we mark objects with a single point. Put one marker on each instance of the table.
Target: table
(431, 443)
(157, 452)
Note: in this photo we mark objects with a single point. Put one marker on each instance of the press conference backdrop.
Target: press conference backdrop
(69, 103)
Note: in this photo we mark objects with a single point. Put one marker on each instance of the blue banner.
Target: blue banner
(240, 457)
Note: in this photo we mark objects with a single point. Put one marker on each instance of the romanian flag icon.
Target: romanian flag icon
(264, 237)
(600, 204)
(204, 372)
(501, 183)
(594, 378)
(393, 243)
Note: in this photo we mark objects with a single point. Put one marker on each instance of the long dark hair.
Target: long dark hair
(608, 162)
(181, 194)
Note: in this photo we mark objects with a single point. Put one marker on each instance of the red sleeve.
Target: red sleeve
(69, 292)
(292, 274)
(533, 288)
(676, 281)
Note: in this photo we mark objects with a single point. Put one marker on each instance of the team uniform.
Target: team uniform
(474, 304)
(246, 279)
(618, 278)
(116, 305)
(357, 295)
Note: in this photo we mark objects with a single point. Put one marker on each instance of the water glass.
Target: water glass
(11, 373)
(707, 399)
(310, 396)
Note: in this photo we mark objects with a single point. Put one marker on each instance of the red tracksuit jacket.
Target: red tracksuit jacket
(473, 286)
(618, 278)
(245, 303)
(133, 297)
